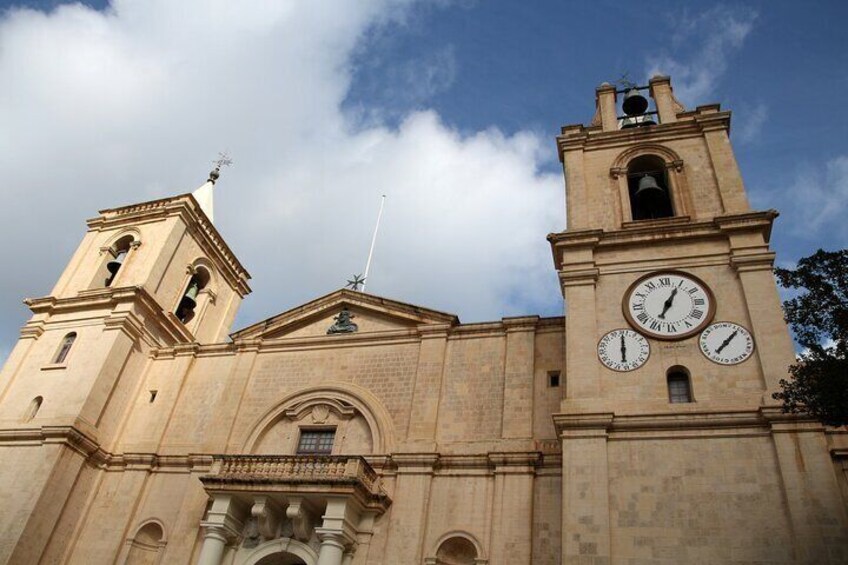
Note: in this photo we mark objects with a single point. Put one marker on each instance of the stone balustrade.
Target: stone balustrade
(294, 469)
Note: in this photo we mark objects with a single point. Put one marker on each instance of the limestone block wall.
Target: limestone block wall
(491, 395)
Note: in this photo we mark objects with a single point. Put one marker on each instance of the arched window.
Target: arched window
(188, 302)
(64, 348)
(33, 409)
(116, 257)
(146, 545)
(647, 183)
(679, 385)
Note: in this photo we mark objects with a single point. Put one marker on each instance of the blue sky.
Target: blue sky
(325, 107)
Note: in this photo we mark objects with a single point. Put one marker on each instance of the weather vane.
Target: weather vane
(223, 160)
(356, 282)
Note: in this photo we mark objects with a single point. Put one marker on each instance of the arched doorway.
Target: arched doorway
(281, 551)
(283, 558)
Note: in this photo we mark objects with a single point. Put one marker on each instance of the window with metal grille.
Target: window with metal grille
(678, 388)
(316, 441)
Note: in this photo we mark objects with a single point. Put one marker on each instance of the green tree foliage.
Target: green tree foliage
(819, 318)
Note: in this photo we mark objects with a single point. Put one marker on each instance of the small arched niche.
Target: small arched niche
(146, 545)
(648, 188)
(33, 408)
(457, 548)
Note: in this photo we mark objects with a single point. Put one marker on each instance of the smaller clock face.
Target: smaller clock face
(623, 350)
(726, 343)
(668, 305)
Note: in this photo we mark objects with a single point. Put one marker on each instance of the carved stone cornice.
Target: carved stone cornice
(127, 321)
(186, 207)
(688, 124)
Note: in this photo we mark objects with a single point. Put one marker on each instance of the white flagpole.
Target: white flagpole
(373, 241)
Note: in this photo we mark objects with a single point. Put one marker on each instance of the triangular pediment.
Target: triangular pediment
(370, 313)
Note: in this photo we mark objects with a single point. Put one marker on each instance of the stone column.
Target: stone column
(332, 547)
(663, 98)
(214, 543)
(223, 522)
(605, 99)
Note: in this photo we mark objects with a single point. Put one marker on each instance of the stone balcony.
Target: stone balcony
(302, 474)
(318, 508)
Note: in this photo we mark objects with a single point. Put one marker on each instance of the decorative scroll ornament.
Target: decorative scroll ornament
(343, 323)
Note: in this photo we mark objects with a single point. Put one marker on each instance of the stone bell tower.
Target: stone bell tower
(145, 276)
(675, 341)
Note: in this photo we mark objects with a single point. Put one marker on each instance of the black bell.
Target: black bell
(113, 266)
(189, 300)
(648, 189)
(634, 103)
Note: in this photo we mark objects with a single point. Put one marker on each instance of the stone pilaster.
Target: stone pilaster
(585, 488)
(816, 511)
(512, 524)
(409, 507)
(428, 384)
(518, 376)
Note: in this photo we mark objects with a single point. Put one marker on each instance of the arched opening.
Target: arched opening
(187, 307)
(647, 184)
(456, 550)
(64, 348)
(119, 253)
(146, 545)
(679, 385)
(282, 558)
(34, 407)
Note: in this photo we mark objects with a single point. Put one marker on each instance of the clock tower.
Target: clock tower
(675, 341)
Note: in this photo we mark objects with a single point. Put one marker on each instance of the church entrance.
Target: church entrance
(282, 558)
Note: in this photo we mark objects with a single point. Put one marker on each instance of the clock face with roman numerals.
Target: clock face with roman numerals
(669, 305)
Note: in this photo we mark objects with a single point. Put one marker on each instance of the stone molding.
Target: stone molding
(577, 137)
(761, 421)
(186, 207)
(128, 322)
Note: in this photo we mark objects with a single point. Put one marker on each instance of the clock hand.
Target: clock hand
(623, 350)
(726, 342)
(668, 304)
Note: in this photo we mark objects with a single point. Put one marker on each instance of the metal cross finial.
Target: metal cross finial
(223, 160)
(625, 81)
(358, 280)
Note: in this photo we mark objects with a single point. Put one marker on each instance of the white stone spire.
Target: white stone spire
(205, 194)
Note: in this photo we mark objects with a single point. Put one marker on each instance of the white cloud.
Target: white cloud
(103, 109)
(711, 37)
(751, 123)
(817, 201)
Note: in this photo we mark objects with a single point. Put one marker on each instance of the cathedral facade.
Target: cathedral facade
(137, 428)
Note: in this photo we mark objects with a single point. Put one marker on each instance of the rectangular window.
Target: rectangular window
(318, 442)
(553, 378)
